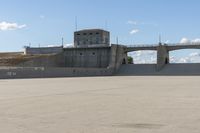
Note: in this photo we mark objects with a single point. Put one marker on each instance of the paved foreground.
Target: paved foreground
(101, 105)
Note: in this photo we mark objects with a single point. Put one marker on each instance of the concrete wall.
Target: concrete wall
(54, 60)
(42, 72)
(43, 50)
(151, 69)
(118, 55)
(99, 57)
(100, 61)
(91, 38)
(87, 57)
(162, 57)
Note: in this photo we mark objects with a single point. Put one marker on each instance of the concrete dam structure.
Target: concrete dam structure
(162, 51)
(92, 55)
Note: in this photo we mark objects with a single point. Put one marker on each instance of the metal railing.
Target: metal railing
(141, 45)
(168, 44)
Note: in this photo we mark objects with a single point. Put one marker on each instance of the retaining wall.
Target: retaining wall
(43, 50)
(42, 72)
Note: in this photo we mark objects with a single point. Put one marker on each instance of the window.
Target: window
(81, 54)
(97, 40)
(90, 33)
(93, 53)
(78, 34)
(84, 33)
(97, 33)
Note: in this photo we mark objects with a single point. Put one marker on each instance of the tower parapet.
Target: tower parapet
(91, 38)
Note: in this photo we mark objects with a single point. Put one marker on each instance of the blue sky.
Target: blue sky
(45, 22)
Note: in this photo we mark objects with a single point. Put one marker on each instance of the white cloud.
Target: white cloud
(10, 26)
(144, 57)
(69, 45)
(185, 40)
(150, 57)
(134, 31)
(191, 58)
(132, 22)
(195, 54)
(197, 40)
(168, 41)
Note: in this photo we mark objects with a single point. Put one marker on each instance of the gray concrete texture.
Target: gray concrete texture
(151, 69)
(87, 57)
(91, 38)
(162, 51)
(100, 105)
(49, 72)
(43, 50)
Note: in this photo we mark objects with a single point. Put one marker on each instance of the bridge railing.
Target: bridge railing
(141, 45)
(155, 45)
(181, 44)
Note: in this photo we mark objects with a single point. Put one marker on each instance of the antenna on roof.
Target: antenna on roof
(76, 23)
(62, 42)
(106, 24)
(160, 39)
(117, 40)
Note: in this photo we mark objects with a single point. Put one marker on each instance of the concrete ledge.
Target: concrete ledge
(42, 72)
(150, 69)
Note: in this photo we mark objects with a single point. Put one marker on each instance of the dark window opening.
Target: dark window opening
(97, 33)
(84, 33)
(166, 61)
(81, 54)
(124, 61)
(78, 34)
(90, 33)
(97, 40)
(93, 53)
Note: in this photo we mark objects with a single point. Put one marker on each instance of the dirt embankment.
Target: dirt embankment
(15, 58)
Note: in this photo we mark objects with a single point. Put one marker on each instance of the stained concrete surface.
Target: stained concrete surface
(101, 105)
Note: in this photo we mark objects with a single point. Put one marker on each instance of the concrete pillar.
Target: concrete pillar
(162, 56)
(117, 57)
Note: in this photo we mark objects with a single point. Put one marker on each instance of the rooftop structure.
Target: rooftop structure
(91, 38)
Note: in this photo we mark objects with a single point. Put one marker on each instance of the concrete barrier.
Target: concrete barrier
(43, 50)
(42, 72)
(151, 70)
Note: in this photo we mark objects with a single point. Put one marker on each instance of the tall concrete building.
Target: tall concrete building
(91, 38)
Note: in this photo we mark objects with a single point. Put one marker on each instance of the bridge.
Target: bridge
(162, 50)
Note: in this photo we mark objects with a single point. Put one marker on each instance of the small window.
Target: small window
(90, 33)
(81, 54)
(97, 33)
(97, 40)
(84, 33)
(93, 53)
(78, 34)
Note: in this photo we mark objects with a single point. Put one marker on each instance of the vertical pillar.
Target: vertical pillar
(162, 56)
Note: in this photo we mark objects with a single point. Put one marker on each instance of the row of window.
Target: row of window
(92, 42)
(93, 53)
(97, 33)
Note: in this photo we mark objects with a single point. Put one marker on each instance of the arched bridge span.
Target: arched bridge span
(162, 50)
